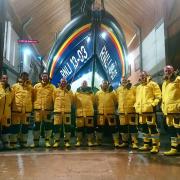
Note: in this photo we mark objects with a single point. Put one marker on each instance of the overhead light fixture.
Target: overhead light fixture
(88, 39)
(27, 51)
(104, 35)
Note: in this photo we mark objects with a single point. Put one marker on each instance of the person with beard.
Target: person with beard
(106, 103)
(43, 108)
(148, 95)
(171, 107)
(21, 110)
(5, 111)
(63, 101)
(84, 104)
(126, 96)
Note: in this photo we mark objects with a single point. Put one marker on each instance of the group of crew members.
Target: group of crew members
(125, 111)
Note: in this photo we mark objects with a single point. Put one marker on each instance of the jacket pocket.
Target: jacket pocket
(173, 108)
(147, 107)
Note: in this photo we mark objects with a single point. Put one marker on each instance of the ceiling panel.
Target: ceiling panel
(50, 16)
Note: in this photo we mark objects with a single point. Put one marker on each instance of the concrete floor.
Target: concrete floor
(87, 164)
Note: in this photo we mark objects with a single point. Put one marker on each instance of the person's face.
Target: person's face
(168, 71)
(20, 81)
(45, 78)
(24, 77)
(143, 77)
(84, 84)
(104, 85)
(63, 82)
(124, 81)
(4, 79)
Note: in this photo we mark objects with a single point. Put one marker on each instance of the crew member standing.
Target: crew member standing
(106, 103)
(21, 110)
(126, 95)
(148, 95)
(171, 107)
(5, 110)
(43, 109)
(63, 101)
(84, 103)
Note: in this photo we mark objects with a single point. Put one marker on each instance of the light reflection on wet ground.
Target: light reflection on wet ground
(86, 164)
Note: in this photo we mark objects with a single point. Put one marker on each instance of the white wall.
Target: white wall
(11, 47)
(153, 50)
(153, 54)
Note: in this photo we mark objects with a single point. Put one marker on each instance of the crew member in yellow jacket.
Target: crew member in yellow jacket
(21, 109)
(63, 100)
(5, 110)
(171, 107)
(148, 95)
(43, 109)
(106, 103)
(126, 95)
(84, 103)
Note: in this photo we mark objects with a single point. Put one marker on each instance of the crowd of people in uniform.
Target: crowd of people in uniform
(126, 110)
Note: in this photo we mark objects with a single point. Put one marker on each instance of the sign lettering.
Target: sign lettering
(74, 61)
(108, 63)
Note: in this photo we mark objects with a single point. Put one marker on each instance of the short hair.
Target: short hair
(45, 73)
(24, 74)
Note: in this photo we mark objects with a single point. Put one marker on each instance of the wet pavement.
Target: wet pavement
(87, 164)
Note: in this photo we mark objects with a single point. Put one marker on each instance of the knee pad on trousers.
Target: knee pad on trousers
(79, 129)
(133, 119)
(37, 126)
(144, 128)
(153, 129)
(113, 129)
(133, 129)
(172, 131)
(99, 129)
(56, 128)
(67, 127)
(176, 122)
(90, 130)
(123, 128)
(15, 129)
(48, 126)
(178, 131)
(5, 130)
(24, 129)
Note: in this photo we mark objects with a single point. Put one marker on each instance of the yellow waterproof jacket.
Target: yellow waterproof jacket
(106, 102)
(63, 100)
(126, 99)
(171, 96)
(5, 102)
(148, 95)
(22, 97)
(84, 102)
(43, 96)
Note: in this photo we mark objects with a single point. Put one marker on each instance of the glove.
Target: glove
(155, 102)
